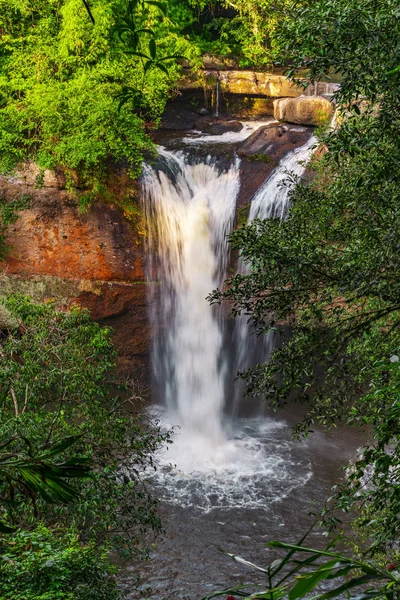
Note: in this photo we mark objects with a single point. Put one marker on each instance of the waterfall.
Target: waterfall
(217, 92)
(190, 208)
(270, 201)
(214, 462)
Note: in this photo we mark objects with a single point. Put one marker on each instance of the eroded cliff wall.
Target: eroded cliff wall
(94, 259)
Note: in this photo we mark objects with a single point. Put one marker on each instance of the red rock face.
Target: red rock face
(100, 253)
(52, 238)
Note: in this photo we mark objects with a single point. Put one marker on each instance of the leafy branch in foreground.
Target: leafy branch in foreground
(58, 395)
(330, 271)
(324, 573)
(26, 473)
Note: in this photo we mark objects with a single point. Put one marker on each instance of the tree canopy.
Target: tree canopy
(78, 94)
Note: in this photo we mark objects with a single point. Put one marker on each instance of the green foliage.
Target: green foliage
(23, 472)
(55, 383)
(302, 570)
(242, 214)
(76, 94)
(242, 30)
(260, 157)
(330, 270)
(48, 565)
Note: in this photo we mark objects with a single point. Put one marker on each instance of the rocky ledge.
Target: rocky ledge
(261, 153)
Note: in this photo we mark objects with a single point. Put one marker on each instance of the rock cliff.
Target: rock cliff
(94, 259)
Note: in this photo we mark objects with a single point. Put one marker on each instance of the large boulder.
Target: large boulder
(216, 126)
(270, 138)
(304, 110)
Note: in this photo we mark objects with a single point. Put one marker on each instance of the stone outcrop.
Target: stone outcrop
(31, 174)
(94, 259)
(216, 126)
(272, 138)
(305, 110)
(261, 152)
(245, 83)
(253, 83)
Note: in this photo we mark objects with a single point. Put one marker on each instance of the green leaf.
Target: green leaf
(162, 68)
(308, 582)
(348, 585)
(61, 446)
(153, 48)
(6, 528)
(162, 6)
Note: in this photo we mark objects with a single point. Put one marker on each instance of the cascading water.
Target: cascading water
(190, 208)
(235, 483)
(270, 201)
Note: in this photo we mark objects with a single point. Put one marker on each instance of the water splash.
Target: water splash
(229, 137)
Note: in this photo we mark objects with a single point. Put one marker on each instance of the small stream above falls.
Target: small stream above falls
(233, 477)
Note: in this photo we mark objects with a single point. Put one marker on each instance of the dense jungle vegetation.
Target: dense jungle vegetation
(80, 86)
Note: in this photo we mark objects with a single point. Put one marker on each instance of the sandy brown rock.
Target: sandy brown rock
(305, 110)
(245, 83)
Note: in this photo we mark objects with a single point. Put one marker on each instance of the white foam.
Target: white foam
(252, 469)
(229, 137)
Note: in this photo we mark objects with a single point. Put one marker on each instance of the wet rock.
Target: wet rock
(261, 152)
(204, 112)
(216, 126)
(270, 138)
(305, 110)
(176, 118)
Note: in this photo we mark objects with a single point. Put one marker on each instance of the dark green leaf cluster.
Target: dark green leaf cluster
(51, 565)
(330, 272)
(59, 416)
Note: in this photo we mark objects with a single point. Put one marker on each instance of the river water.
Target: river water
(233, 478)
